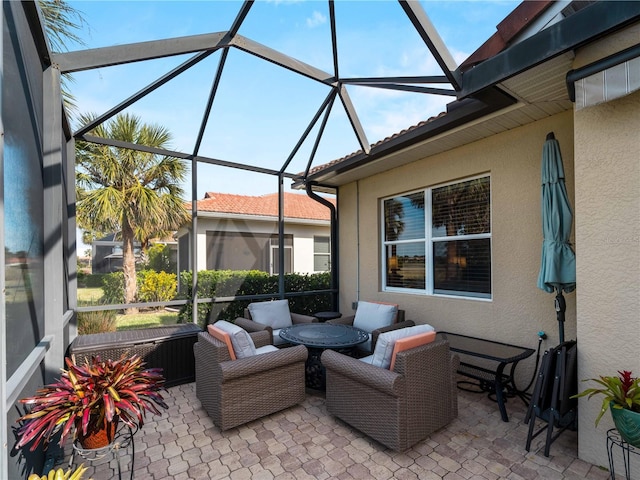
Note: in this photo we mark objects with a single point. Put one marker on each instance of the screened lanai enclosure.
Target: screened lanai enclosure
(256, 129)
(224, 67)
(210, 78)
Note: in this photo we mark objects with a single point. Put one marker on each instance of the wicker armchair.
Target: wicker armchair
(234, 392)
(398, 407)
(368, 347)
(251, 325)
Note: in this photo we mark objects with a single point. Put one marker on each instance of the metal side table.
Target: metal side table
(614, 439)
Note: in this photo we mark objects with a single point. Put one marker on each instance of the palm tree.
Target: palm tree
(61, 20)
(134, 193)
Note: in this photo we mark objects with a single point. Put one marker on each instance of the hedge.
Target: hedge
(228, 283)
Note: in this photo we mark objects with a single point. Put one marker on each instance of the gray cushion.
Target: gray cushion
(267, 349)
(368, 359)
(386, 341)
(273, 314)
(243, 345)
(371, 316)
(276, 338)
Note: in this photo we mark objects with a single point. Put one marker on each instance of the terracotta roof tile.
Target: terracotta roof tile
(377, 144)
(295, 205)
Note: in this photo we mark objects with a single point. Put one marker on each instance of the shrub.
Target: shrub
(90, 280)
(113, 288)
(227, 283)
(96, 322)
(161, 258)
(156, 286)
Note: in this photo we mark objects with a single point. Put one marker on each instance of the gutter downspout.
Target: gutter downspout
(334, 240)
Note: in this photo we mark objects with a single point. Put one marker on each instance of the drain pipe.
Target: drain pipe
(333, 240)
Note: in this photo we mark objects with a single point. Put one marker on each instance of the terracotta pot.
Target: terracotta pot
(628, 424)
(99, 436)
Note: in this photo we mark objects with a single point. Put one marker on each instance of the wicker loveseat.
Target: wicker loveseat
(397, 407)
(234, 392)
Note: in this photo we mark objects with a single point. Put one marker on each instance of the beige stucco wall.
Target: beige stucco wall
(607, 179)
(518, 309)
(302, 237)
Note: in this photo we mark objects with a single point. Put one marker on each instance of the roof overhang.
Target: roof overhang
(458, 113)
(202, 214)
(581, 28)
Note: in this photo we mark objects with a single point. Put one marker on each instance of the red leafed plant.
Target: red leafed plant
(622, 391)
(87, 395)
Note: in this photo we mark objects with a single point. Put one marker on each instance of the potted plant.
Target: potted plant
(90, 399)
(621, 395)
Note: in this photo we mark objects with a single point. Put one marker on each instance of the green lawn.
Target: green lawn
(146, 320)
(89, 296)
(155, 318)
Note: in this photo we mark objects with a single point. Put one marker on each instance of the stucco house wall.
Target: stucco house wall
(518, 309)
(607, 180)
(303, 234)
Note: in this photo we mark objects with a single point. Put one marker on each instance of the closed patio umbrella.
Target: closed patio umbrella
(558, 264)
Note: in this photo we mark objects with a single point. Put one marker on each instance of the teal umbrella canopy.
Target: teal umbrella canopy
(558, 264)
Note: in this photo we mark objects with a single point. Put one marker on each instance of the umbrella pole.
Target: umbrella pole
(561, 306)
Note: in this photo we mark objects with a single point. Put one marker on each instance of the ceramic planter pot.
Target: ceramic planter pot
(628, 424)
(98, 437)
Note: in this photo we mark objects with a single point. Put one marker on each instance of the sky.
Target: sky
(261, 110)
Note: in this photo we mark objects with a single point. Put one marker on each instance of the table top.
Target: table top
(324, 335)
(489, 349)
(323, 316)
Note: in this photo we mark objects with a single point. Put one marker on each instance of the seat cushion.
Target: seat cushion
(224, 337)
(266, 349)
(243, 345)
(273, 314)
(386, 342)
(407, 343)
(371, 316)
(276, 338)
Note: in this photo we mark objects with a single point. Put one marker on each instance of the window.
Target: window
(321, 254)
(438, 240)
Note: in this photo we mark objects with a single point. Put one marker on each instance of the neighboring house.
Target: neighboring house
(240, 232)
(516, 88)
(106, 253)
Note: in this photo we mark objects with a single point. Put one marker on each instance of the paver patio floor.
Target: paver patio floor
(305, 442)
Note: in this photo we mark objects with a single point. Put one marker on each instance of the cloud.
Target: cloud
(316, 19)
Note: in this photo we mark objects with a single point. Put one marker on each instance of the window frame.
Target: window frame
(430, 240)
(323, 254)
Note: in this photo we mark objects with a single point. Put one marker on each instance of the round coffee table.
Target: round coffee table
(318, 337)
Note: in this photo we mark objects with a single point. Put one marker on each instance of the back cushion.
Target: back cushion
(224, 337)
(407, 343)
(386, 342)
(243, 345)
(273, 314)
(371, 316)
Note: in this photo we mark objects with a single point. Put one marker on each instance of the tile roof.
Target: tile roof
(375, 145)
(295, 205)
